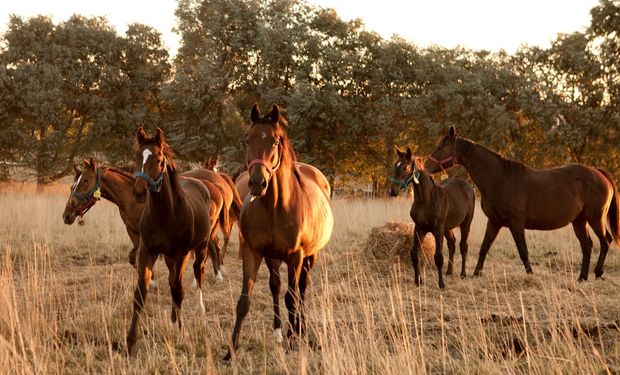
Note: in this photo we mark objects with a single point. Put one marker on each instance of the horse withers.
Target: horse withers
(286, 217)
(516, 196)
(436, 209)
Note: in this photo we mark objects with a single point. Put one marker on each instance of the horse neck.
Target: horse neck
(170, 196)
(422, 191)
(483, 165)
(282, 187)
(117, 188)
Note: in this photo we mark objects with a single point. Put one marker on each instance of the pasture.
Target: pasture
(66, 299)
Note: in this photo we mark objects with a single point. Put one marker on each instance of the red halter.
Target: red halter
(270, 169)
(441, 163)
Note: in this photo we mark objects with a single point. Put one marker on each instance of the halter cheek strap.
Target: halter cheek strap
(154, 185)
(86, 200)
(413, 177)
(270, 169)
(441, 163)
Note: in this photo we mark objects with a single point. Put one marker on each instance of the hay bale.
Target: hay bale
(393, 241)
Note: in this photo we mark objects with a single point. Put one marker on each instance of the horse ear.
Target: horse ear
(452, 132)
(409, 154)
(255, 114)
(141, 135)
(93, 163)
(86, 163)
(275, 114)
(76, 169)
(159, 136)
(398, 151)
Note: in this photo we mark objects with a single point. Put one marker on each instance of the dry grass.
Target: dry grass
(65, 297)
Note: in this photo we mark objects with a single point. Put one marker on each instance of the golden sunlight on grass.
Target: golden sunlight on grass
(66, 297)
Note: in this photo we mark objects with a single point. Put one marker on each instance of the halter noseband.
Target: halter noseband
(86, 200)
(413, 177)
(154, 185)
(270, 169)
(441, 163)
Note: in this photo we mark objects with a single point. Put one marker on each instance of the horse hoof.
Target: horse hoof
(219, 278)
(581, 279)
(442, 286)
(278, 335)
(529, 272)
(463, 276)
(600, 278)
(226, 361)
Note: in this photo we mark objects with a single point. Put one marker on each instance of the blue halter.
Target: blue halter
(414, 177)
(83, 197)
(155, 185)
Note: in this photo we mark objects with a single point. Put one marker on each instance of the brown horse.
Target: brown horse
(436, 208)
(175, 221)
(519, 197)
(116, 185)
(286, 218)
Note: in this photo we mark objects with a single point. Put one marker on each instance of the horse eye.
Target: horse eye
(276, 143)
(247, 141)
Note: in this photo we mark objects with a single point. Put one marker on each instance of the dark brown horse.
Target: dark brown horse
(116, 185)
(519, 197)
(286, 218)
(436, 208)
(175, 221)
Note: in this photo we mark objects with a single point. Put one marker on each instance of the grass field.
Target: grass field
(66, 297)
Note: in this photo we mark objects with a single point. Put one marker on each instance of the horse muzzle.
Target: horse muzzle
(68, 216)
(258, 183)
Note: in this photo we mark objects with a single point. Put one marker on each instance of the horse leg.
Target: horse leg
(199, 271)
(451, 241)
(438, 234)
(600, 231)
(175, 279)
(145, 269)
(274, 286)
(489, 236)
(581, 231)
(465, 226)
(295, 263)
(251, 263)
(214, 253)
(304, 279)
(518, 234)
(418, 237)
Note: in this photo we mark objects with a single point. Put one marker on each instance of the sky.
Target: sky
(475, 24)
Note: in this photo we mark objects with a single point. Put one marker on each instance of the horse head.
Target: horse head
(85, 191)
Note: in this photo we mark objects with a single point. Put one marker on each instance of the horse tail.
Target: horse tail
(614, 209)
(237, 203)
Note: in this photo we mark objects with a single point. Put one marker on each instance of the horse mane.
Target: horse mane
(509, 165)
(123, 171)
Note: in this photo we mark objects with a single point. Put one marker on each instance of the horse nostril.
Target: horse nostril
(263, 184)
(250, 182)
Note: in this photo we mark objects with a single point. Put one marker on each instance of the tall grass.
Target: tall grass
(66, 299)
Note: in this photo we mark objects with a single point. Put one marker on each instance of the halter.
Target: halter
(413, 177)
(441, 163)
(270, 169)
(86, 200)
(155, 185)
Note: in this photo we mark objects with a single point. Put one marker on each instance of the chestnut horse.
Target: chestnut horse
(519, 197)
(286, 218)
(116, 186)
(436, 208)
(175, 221)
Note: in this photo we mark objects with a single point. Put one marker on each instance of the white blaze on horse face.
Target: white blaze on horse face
(398, 164)
(75, 185)
(145, 156)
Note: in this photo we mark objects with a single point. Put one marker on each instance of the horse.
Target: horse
(175, 221)
(115, 185)
(519, 197)
(287, 217)
(436, 208)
